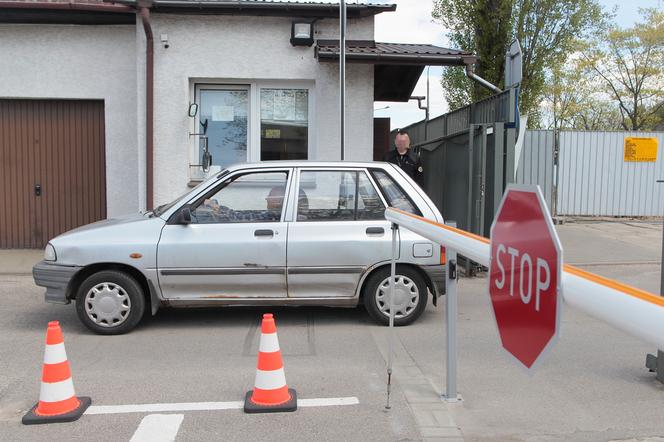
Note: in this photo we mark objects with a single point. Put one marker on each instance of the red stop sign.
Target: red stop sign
(524, 271)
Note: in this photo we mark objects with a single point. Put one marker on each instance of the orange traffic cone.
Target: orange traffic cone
(270, 394)
(57, 399)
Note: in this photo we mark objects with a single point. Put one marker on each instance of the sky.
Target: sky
(412, 23)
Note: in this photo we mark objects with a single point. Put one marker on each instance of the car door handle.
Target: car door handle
(375, 231)
(264, 232)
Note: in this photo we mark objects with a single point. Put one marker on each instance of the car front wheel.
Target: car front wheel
(110, 302)
(410, 298)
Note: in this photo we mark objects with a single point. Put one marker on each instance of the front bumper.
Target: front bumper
(436, 274)
(55, 278)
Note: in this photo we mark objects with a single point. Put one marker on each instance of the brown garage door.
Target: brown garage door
(52, 169)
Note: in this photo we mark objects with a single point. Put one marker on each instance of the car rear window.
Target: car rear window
(396, 197)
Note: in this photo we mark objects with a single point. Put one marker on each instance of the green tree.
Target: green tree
(572, 100)
(630, 63)
(546, 29)
(483, 27)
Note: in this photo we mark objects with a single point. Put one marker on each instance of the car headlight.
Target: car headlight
(49, 253)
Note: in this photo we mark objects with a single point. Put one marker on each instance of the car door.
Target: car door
(235, 245)
(338, 230)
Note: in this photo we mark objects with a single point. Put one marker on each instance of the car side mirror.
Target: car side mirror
(184, 215)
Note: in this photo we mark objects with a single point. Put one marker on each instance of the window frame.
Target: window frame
(194, 149)
(198, 200)
(293, 209)
(310, 112)
(254, 116)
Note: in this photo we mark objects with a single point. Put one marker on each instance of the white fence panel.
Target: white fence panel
(594, 179)
(535, 164)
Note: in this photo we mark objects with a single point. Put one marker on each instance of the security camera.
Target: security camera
(164, 41)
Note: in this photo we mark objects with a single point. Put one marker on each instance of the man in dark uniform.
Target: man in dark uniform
(404, 158)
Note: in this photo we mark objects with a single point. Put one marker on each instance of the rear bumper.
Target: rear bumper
(436, 274)
(56, 279)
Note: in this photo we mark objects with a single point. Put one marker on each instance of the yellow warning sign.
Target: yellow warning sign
(640, 149)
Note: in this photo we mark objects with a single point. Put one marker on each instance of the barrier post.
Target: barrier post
(451, 304)
(390, 338)
(656, 363)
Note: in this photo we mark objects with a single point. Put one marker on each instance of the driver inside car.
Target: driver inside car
(275, 199)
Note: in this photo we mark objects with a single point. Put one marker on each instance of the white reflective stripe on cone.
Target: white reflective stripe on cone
(55, 354)
(56, 391)
(269, 343)
(270, 380)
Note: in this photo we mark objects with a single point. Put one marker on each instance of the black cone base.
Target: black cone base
(251, 407)
(31, 418)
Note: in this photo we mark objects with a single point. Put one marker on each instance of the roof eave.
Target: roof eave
(402, 59)
(312, 10)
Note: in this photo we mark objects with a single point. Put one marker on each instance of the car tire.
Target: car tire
(110, 302)
(411, 288)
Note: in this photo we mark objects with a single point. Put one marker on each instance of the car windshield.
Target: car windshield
(164, 207)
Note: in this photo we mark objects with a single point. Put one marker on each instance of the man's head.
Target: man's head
(402, 141)
(275, 198)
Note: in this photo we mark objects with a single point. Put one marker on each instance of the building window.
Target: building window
(284, 124)
(224, 111)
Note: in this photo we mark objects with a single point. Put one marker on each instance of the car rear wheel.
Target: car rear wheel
(410, 295)
(110, 302)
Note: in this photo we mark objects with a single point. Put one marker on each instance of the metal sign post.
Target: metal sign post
(656, 363)
(342, 75)
(451, 301)
(390, 338)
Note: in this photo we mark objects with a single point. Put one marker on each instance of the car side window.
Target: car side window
(393, 193)
(337, 196)
(369, 204)
(249, 198)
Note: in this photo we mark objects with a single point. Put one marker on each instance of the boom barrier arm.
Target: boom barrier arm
(632, 310)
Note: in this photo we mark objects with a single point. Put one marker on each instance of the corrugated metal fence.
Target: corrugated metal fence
(536, 162)
(592, 178)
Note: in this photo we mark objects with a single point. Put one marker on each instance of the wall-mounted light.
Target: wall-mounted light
(302, 33)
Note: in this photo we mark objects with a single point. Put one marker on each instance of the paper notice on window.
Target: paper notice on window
(284, 104)
(640, 149)
(273, 133)
(223, 113)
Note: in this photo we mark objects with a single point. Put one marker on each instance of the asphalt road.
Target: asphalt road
(592, 386)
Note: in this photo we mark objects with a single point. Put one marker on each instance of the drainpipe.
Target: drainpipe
(144, 13)
(470, 74)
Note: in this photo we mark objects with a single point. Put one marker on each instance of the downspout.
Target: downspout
(470, 74)
(144, 12)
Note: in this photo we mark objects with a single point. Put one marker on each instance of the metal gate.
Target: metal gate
(52, 169)
(468, 158)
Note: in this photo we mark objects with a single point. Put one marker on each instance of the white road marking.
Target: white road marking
(327, 402)
(158, 428)
(210, 406)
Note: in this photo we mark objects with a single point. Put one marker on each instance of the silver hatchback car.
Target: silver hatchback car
(281, 233)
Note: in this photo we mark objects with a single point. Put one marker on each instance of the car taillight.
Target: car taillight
(443, 258)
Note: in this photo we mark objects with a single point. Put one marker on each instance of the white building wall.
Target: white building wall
(82, 62)
(243, 49)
